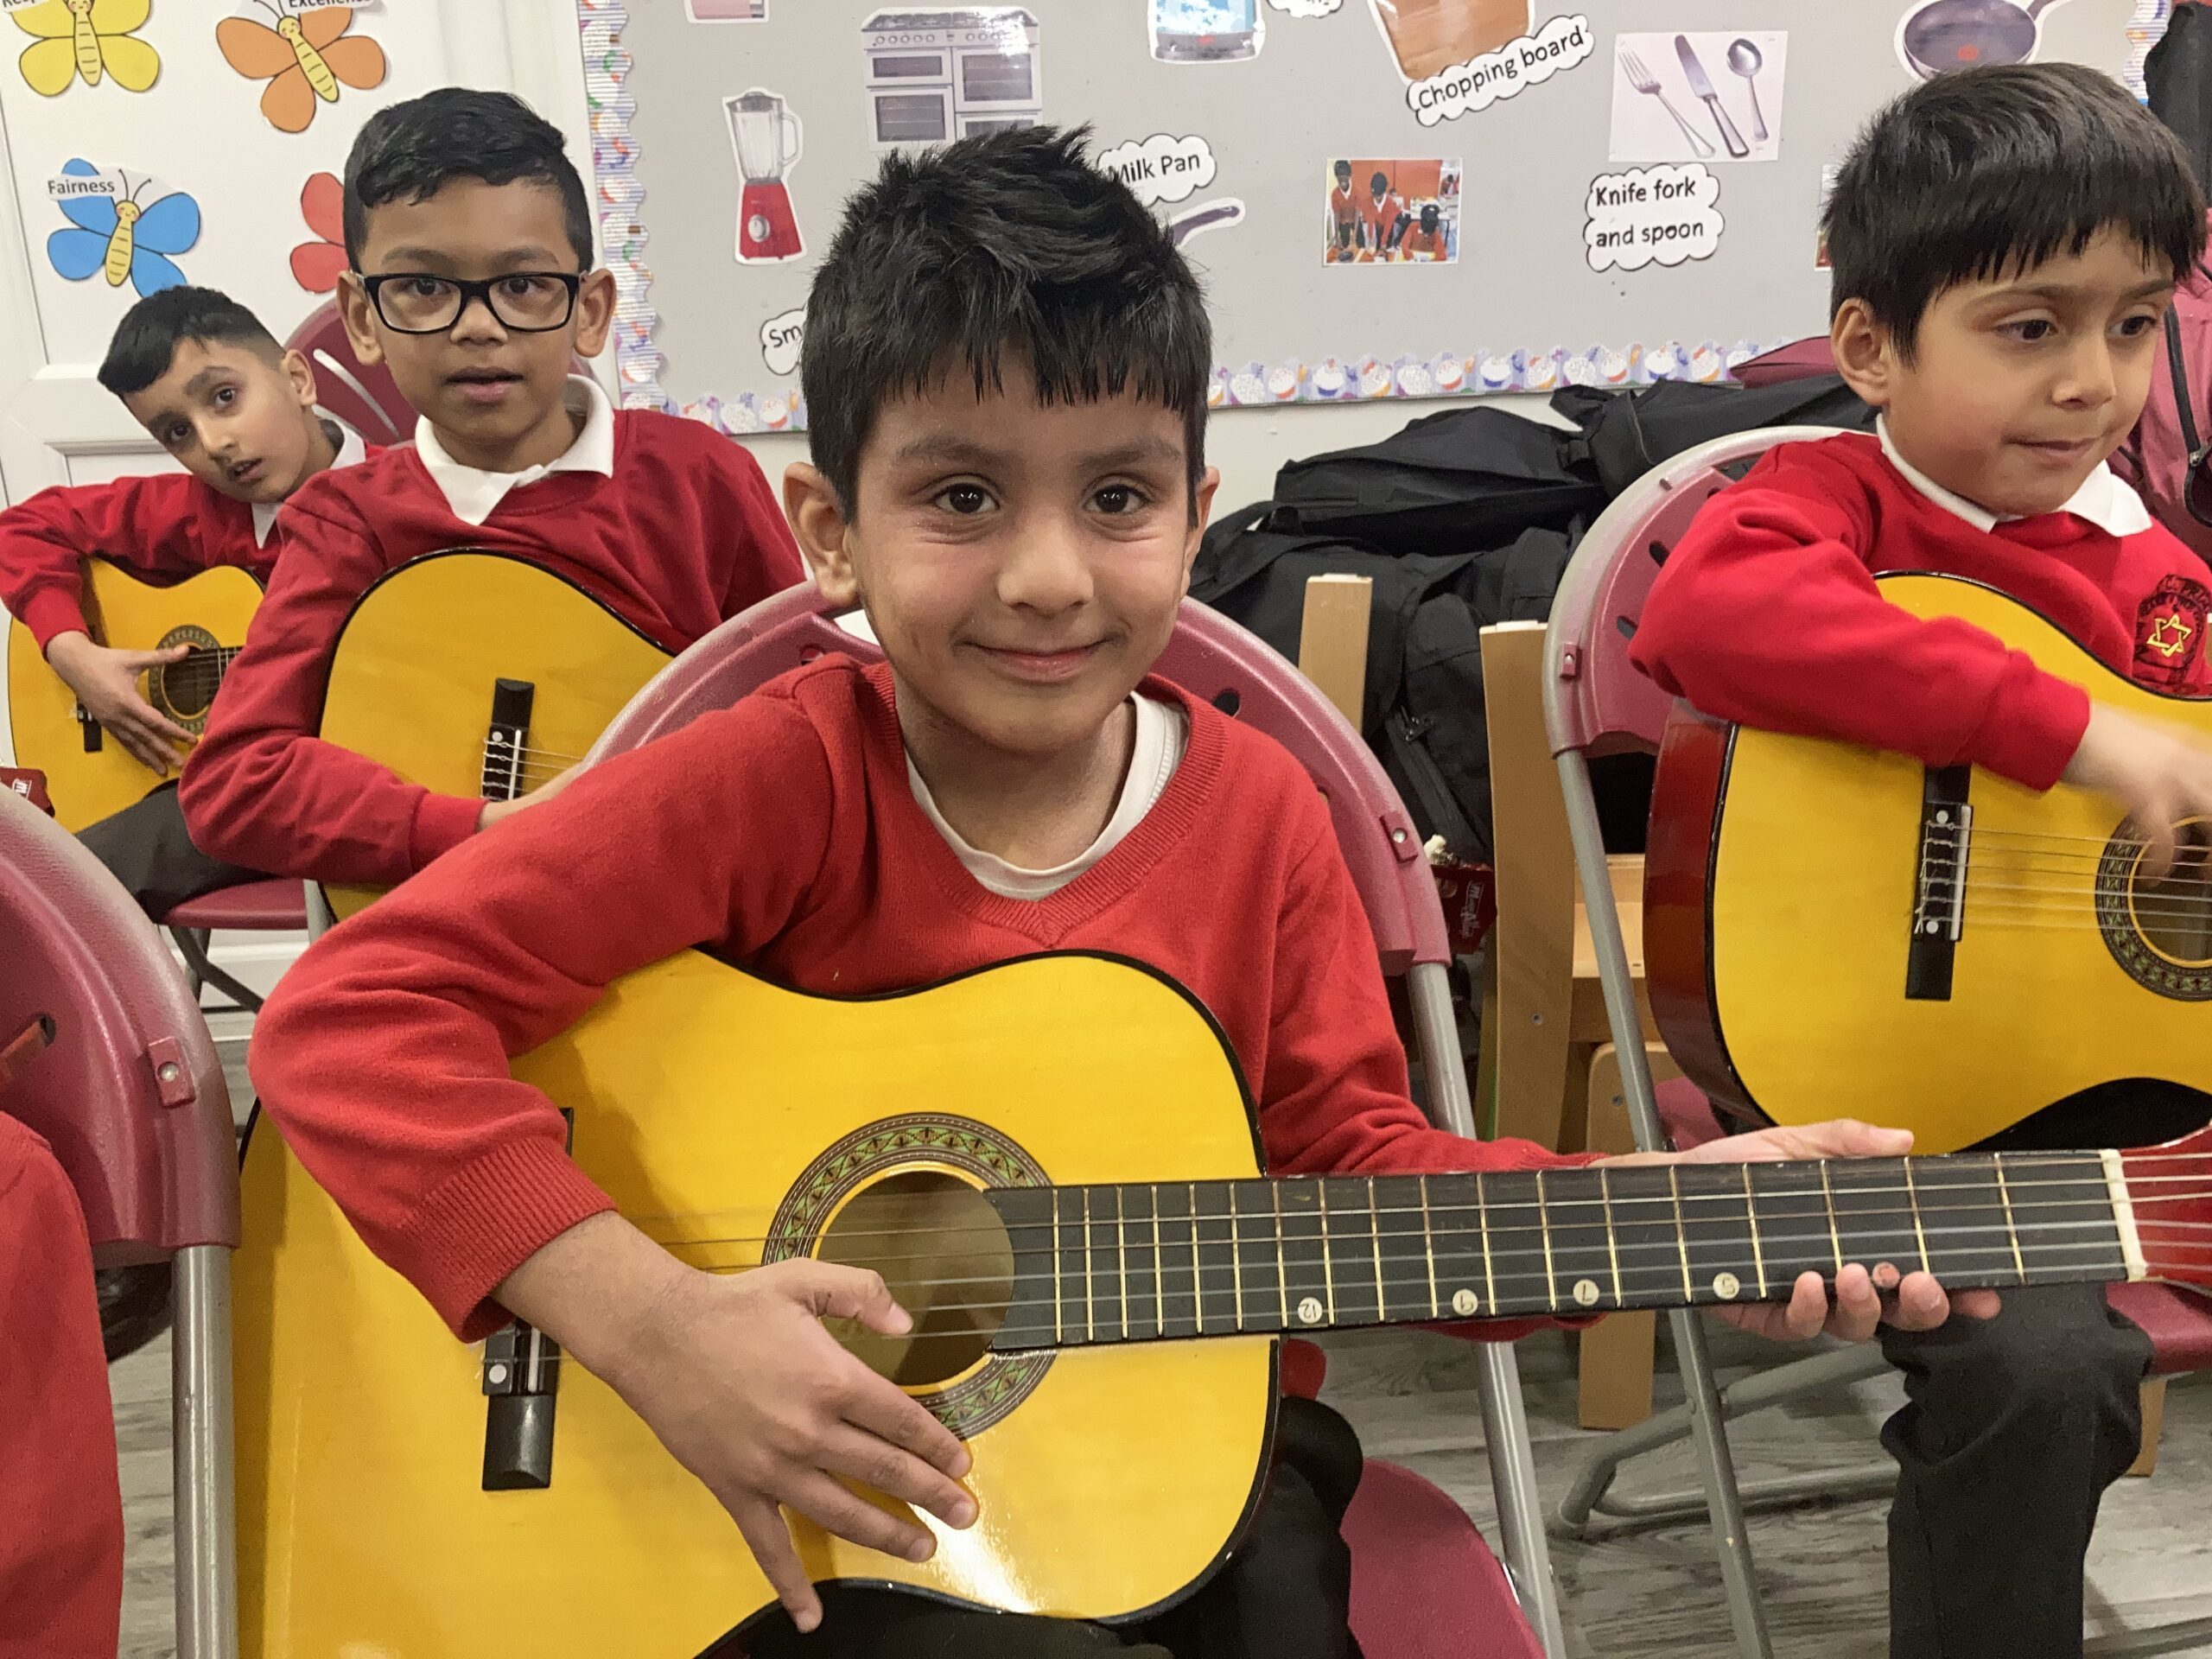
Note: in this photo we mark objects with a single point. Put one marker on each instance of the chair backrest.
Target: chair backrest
(363, 395)
(1208, 656)
(1594, 699)
(1801, 359)
(127, 1088)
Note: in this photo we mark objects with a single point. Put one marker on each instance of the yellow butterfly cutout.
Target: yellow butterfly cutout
(90, 38)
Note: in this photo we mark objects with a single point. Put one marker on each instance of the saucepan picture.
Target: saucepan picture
(1943, 35)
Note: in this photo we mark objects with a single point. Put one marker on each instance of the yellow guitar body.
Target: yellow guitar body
(704, 1103)
(412, 678)
(209, 610)
(1815, 870)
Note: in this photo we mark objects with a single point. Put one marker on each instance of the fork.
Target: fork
(1645, 81)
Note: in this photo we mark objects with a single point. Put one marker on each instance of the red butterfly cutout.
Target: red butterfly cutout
(315, 265)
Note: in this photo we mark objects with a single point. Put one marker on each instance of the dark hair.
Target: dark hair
(1342, 170)
(410, 151)
(1380, 181)
(147, 338)
(1987, 171)
(1010, 241)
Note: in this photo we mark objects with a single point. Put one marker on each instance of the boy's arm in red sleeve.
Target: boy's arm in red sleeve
(1767, 614)
(260, 789)
(144, 524)
(772, 563)
(383, 1054)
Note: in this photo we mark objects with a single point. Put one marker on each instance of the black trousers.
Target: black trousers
(145, 847)
(2013, 1428)
(1286, 1594)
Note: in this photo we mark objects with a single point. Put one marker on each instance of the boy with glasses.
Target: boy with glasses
(469, 234)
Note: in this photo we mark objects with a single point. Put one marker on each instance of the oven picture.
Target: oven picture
(938, 75)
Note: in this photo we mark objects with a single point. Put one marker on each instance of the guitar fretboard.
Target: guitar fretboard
(1153, 1261)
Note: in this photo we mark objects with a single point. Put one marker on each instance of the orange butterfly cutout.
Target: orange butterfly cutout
(304, 59)
(316, 266)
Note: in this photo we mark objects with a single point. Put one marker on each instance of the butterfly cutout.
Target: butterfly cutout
(315, 265)
(117, 235)
(304, 60)
(92, 38)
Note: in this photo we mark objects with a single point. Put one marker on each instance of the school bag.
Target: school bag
(1462, 519)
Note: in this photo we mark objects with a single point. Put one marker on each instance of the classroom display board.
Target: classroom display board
(1386, 198)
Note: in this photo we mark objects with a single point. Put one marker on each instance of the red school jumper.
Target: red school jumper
(783, 835)
(1767, 614)
(163, 529)
(686, 533)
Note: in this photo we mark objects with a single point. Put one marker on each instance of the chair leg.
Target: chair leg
(2154, 1422)
(200, 969)
(207, 1523)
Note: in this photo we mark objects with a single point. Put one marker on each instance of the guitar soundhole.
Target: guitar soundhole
(2160, 930)
(186, 691)
(944, 1252)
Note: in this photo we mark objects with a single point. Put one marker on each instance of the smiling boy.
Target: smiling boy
(470, 239)
(236, 410)
(1006, 363)
(2004, 242)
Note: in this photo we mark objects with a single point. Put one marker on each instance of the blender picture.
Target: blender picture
(765, 136)
(1205, 31)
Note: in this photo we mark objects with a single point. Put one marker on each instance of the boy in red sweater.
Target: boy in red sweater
(214, 388)
(2004, 242)
(1007, 363)
(470, 237)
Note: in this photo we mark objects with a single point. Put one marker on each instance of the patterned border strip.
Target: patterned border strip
(2145, 29)
(620, 195)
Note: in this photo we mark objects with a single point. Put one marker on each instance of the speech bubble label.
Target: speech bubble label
(1163, 168)
(781, 336)
(1512, 69)
(1651, 215)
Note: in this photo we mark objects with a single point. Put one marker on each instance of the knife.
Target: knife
(1701, 84)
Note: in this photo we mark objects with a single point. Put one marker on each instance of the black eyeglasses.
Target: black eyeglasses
(528, 302)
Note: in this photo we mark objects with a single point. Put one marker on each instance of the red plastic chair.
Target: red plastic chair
(127, 1091)
(1597, 703)
(1801, 359)
(1212, 658)
(275, 906)
(362, 395)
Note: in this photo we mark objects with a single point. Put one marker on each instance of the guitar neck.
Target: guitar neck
(1145, 1260)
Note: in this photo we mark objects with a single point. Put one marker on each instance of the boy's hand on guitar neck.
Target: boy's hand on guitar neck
(106, 683)
(736, 1376)
(1865, 1298)
(2161, 774)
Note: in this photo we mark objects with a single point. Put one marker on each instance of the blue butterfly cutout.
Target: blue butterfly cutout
(169, 226)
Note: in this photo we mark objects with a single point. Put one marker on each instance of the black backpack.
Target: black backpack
(1463, 519)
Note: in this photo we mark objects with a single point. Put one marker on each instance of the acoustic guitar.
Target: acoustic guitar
(479, 674)
(1054, 1164)
(89, 775)
(1833, 931)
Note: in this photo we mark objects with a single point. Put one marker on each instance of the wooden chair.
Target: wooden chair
(1548, 1061)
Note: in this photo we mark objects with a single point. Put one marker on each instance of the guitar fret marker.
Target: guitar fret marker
(1463, 1303)
(1309, 1309)
(1728, 1287)
(1586, 1293)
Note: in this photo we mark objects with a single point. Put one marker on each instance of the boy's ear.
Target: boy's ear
(1865, 353)
(818, 524)
(359, 316)
(300, 373)
(594, 312)
(1201, 514)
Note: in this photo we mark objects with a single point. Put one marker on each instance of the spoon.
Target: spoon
(1744, 58)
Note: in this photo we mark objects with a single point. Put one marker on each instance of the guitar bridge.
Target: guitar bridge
(1939, 887)
(507, 739)
(522, 1367)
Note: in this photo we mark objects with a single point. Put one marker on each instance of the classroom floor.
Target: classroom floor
(1653, 1592)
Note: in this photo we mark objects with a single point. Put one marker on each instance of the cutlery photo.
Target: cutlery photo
(1701, 84)
(1645, 81)
(1746, 59)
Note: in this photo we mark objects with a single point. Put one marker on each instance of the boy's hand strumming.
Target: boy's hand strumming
(106, 683)
(737, 1377)
(2162, 774)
